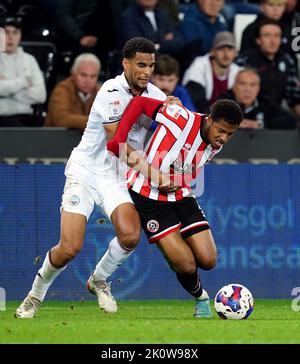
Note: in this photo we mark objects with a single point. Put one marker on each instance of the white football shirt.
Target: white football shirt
(108, 107)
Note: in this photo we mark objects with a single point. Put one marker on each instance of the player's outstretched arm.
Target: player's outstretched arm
(137, 106)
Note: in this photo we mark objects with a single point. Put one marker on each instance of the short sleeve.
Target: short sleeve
(174, 113)
(109, 105)
(173, 117)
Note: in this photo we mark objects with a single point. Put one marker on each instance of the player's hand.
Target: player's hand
(166, 184)
(88, 41)
(249, 124)
(172, 100)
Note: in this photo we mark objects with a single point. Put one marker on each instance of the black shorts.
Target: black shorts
(160, 218)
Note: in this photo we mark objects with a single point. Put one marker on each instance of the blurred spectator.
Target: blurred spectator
(146, 19)
(21, 81)
(72, 18)
(166, 76)
(85, 26)
(276, 67)
(72, 99)
(210, 75)
(271, 9)
(202, 21)
(172, 8)
(259, 112)
(292, 15)
(233, 7)
(117, 7)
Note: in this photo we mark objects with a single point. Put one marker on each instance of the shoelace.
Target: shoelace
(31, 303)
(107, 289)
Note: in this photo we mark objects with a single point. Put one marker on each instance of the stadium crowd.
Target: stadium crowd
(58, 52)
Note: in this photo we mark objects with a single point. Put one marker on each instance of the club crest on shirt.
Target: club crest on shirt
(152, 226)
(187, 147)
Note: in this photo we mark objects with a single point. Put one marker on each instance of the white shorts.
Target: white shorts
(83, 189)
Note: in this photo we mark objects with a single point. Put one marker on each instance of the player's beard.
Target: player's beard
(139, 88)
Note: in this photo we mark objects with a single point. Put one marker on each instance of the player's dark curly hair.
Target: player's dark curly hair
(137, 44)
(226, 110)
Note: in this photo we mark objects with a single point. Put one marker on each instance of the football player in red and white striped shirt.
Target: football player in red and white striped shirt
(159, 178)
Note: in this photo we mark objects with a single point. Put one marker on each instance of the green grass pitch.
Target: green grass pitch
(157, 322)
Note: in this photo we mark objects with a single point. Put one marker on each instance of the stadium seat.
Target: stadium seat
(114, 64)
(240, 23)
(3, 10)
(36, 24)
(26, 8)
(45, 53)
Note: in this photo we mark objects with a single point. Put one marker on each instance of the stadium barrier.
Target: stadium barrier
(253, 211)
(52, 145)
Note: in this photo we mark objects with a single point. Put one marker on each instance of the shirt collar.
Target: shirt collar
(125, 84)
(251, 107)
(83, 97)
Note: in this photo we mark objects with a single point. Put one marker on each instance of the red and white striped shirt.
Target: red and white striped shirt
(176, 148)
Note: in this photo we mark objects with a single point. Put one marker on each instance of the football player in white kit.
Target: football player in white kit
(92, 177)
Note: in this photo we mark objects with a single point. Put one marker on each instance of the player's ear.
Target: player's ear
(125, 63)
(209, 120)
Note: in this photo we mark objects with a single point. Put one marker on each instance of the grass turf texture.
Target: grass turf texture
(158, 322)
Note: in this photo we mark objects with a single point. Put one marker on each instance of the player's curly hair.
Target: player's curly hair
(227, 110)
(137, 44)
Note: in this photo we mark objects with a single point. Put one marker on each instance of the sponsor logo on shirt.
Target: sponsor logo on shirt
(114, 118)
(114, 109)
(180, 168)
(173, 111)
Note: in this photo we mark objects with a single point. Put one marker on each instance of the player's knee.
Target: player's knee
(129, 237)
(185, 267)
(208, 263)
(69, 251)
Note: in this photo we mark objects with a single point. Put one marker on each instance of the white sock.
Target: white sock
(204, 296)
(115, 256)
(44, 278)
